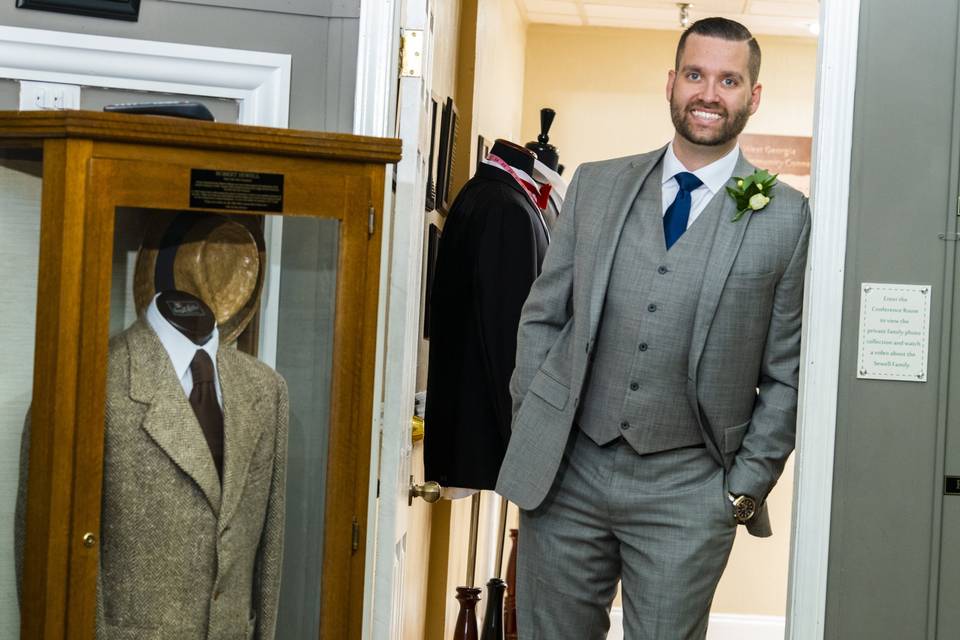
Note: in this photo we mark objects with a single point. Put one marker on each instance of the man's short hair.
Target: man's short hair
(725, 30)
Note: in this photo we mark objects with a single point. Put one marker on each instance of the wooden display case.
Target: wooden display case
(94, 164)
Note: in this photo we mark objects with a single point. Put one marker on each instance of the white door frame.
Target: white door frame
(833, 134)
(374, 113)
(823, 304)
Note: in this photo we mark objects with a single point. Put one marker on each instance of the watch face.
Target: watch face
(744, 507)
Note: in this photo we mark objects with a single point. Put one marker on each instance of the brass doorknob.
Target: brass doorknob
(429, 491)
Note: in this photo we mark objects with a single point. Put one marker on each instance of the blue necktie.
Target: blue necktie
(675, 219)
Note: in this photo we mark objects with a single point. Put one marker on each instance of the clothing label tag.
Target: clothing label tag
(236, 190)
(894, 331)
(185, 308)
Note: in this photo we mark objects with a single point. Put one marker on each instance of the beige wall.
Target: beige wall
(501, 43)
(607, 86)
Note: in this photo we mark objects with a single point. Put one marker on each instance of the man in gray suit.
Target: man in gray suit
(655, 388)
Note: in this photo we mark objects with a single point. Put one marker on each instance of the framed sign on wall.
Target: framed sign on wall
(114, 9)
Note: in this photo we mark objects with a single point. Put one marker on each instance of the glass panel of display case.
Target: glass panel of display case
(308, 287)
(214, 488)
(20, 186)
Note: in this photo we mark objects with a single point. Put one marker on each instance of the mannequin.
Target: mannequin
(547, 168)
(492, 246)
(514, 155)
(192, 510)
(546, 152)
(188, 314)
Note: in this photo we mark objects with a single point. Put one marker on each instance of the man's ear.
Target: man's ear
(671, 78)
(755, 97)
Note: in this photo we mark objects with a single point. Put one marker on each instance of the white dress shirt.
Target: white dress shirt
(714, 176)
(181, 349)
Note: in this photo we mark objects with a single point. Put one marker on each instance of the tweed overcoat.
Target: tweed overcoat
(182, 555)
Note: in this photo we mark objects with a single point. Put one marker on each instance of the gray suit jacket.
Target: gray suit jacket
(745, 352)
(182, 557)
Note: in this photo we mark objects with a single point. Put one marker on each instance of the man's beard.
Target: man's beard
(733, 124)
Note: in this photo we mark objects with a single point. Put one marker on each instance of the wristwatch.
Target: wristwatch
(744, 508)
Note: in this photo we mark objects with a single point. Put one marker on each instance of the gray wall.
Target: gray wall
(321, 35)
(888, 502)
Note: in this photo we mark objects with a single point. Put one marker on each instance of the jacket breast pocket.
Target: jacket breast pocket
(756, 281)
(550, 390)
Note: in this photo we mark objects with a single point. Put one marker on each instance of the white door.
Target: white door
(400, 326)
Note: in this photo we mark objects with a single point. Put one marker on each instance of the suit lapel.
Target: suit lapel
(169, 420)
(726, 245)
(241, 427)
(622, 196)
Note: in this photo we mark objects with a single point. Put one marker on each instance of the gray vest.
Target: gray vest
(638, 378)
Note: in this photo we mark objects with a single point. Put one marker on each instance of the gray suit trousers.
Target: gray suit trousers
(662, 523)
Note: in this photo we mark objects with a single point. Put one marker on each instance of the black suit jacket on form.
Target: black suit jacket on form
(490, 253)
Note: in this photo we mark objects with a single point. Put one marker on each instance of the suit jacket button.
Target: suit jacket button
(634, 386)
(662, 269)
(643, 346)
(624, 425)
(651, 308)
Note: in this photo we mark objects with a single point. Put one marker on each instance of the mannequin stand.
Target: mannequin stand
(468, 596)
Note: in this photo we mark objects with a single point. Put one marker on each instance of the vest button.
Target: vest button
(643, 346)
(624, 425)
(634, 386)
(662, 270)
(651, 308)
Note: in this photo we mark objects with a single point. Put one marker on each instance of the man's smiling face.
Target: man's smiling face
(710, 94)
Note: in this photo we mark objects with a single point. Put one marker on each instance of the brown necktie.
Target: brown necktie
(203, 399)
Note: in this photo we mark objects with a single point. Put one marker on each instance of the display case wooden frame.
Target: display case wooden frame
(94, 163)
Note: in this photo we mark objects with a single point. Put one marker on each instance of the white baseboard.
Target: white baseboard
(723, 626)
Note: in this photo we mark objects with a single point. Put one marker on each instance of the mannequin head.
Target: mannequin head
(546, 152)
(514, 155)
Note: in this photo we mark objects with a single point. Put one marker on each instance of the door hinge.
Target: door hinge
(355, 538)
(371, 221)
(411, 53)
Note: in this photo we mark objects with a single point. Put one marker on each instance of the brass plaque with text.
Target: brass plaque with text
(236, 190)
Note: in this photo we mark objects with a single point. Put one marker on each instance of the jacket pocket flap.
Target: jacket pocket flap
(552, 391)
(733, 437)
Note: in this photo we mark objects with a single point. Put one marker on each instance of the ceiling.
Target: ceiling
(767, 17)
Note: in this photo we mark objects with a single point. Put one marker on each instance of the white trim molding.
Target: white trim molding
(817, 420)
(723, 626)
(377, 54)
(259, 81)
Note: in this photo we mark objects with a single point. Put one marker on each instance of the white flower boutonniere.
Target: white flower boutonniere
(753, 192)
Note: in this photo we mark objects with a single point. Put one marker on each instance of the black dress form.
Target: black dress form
(490, 253)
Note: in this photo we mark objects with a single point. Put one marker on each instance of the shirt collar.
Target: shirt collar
(713, 176)
(178, 346)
